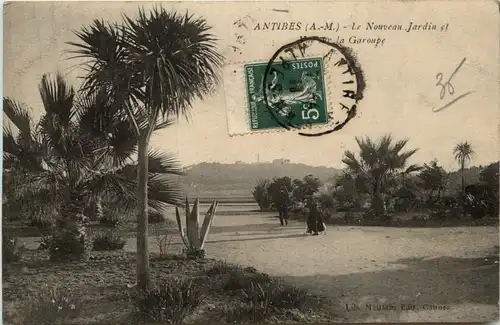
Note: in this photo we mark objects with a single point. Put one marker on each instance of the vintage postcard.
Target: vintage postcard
(250, 162)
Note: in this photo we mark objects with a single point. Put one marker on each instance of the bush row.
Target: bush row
(112, 220)
(253, 298)
(12, 248)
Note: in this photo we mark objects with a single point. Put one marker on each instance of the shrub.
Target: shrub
(11, 248)
(240, 314)
(370, 217)
(70, 245)
(45, 242)
(155, 217)
(446, 207)
(51, 306)
(108, 241)
(261, 194)
(193, 253)
(221, 267)
(237, 279)
(170, 302)
(163, 242)
(41, 223)
(291, 297)
(276, 294)
(110, 220)
(421, 218)
(328, 203)
(261, 297)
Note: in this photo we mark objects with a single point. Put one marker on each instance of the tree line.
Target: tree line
(380, 181)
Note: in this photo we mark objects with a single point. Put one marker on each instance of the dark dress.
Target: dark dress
(283, 207)
(314, 220)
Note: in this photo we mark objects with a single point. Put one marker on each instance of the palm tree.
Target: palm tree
(463, 154)
(380, 164)
(79, 152)
(153, 66)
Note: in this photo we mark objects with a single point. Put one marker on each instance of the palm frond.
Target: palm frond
(10, 145)
(163, 190)
(176, 56)
(143, 119)
(164, 163)
(57, 97)
(113, 133)
(406, 155)
(368, 151)
(412, 168)
(25, 155)
(19, 115)
(96, 113)
(352, 162)
(398, 146)
(39, 202)
(103, 47)
(115, 187)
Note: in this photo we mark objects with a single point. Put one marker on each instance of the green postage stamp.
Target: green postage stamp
(295, 94)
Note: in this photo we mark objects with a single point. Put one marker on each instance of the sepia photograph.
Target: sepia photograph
(233, 162)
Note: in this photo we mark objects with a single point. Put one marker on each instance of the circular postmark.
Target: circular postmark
(312, 83)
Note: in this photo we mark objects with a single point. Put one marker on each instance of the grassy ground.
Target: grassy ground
(99, 292)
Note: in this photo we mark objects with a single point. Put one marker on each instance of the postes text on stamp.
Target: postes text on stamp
(295, 91)
(343, 77)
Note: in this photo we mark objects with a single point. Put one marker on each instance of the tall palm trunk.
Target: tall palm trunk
(462, 168)
(378, 201)
(94, 210)
(142, 221)
(99, 210)
(70, 240)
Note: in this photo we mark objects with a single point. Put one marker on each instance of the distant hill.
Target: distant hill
(455, 178)
(215, 179)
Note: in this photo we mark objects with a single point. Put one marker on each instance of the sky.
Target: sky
(401, 77)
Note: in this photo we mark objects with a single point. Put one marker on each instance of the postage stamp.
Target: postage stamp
(311, 86)
(297, 95)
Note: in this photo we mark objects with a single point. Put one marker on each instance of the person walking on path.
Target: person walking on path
(315, 223)
(283, 206)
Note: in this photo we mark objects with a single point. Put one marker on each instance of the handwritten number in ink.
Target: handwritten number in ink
(447, 87)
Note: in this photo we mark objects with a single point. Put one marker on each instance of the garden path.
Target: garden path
(450, 267)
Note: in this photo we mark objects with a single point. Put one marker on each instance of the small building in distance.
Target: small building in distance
(281, 161)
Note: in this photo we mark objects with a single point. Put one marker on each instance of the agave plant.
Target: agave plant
(80, 151)
(195, 238)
